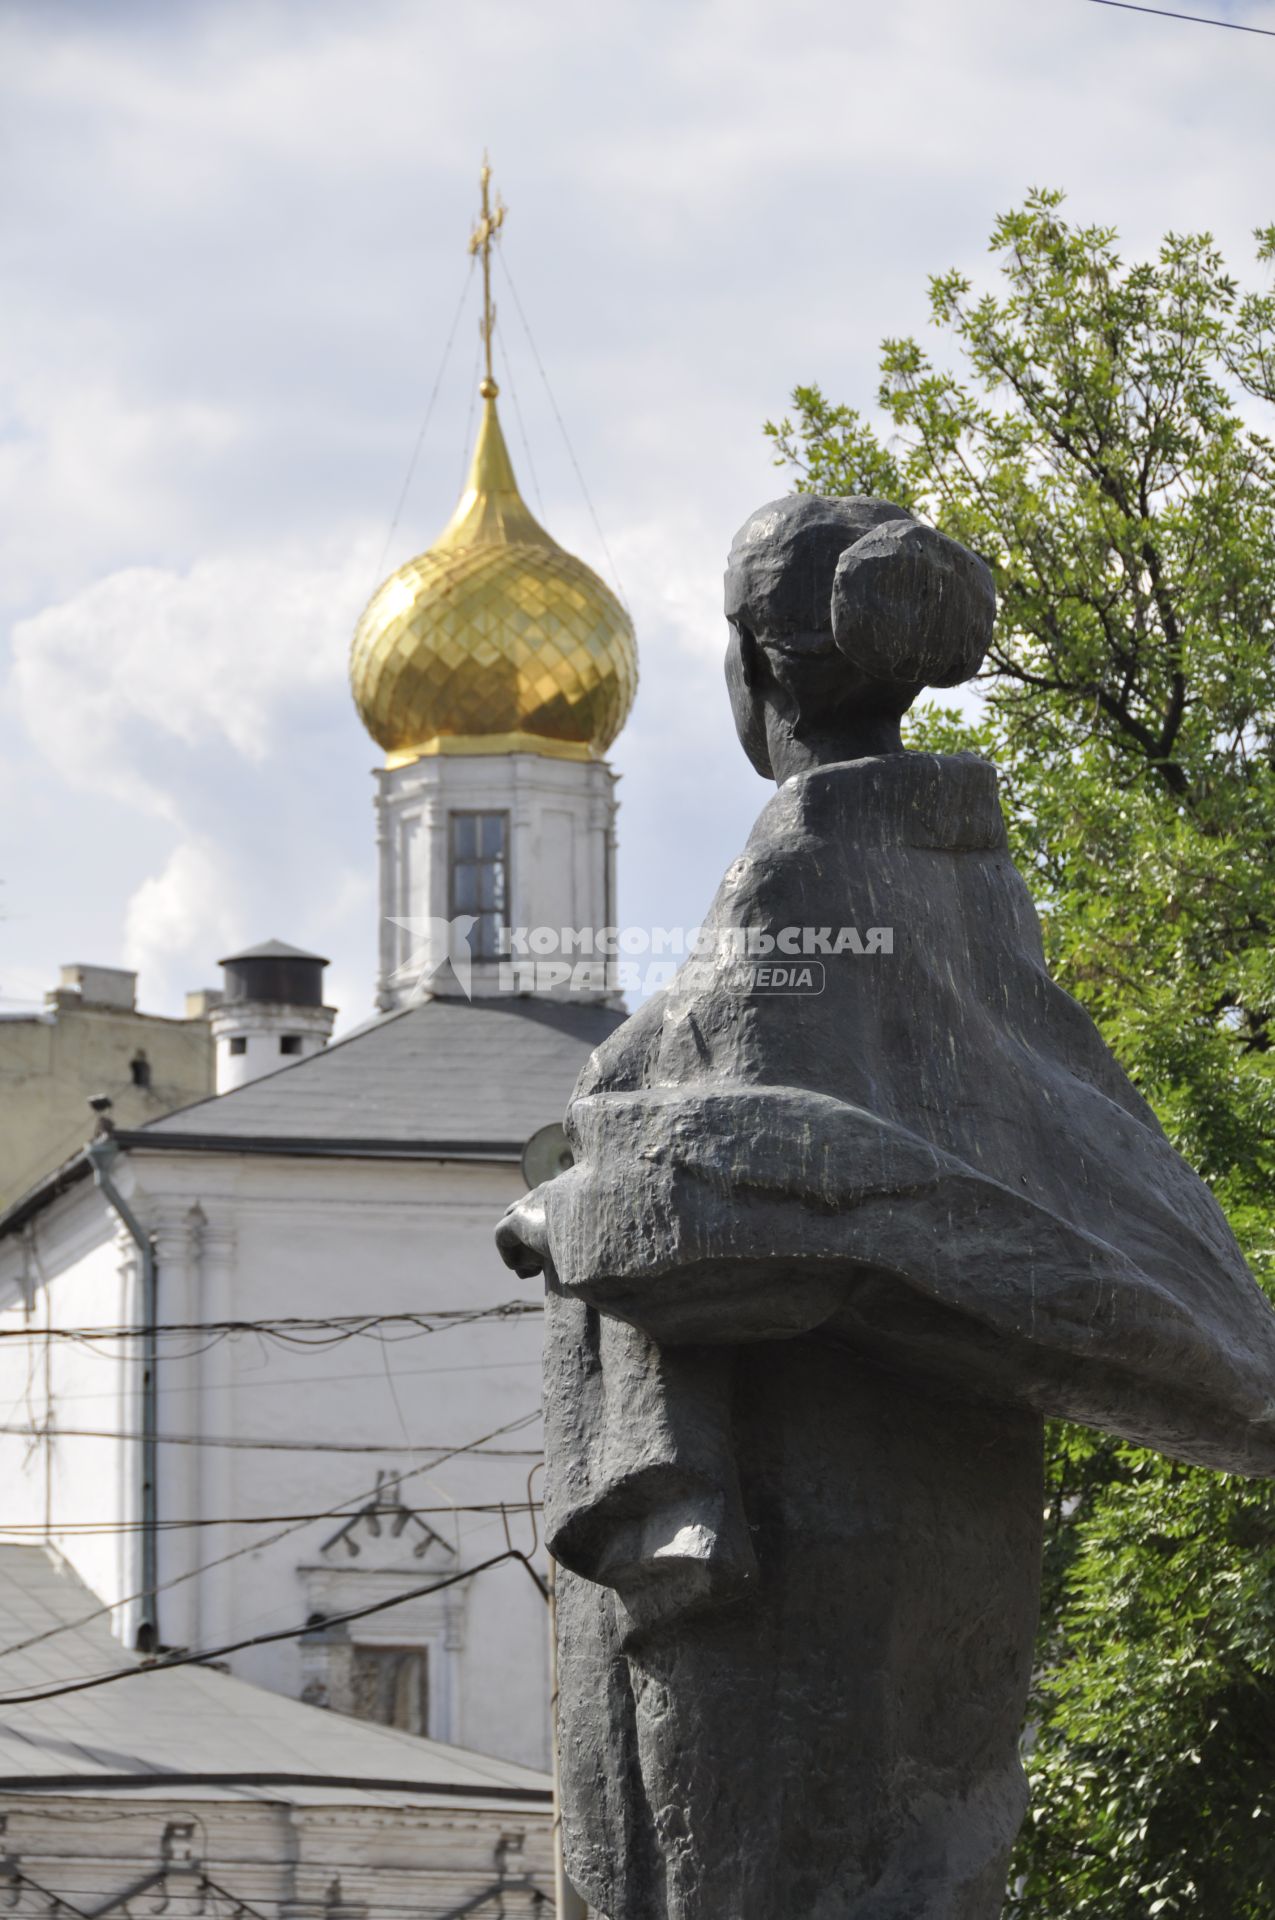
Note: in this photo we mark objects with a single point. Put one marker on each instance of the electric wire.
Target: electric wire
(38, 1530)
(236, 1442)
(291, 1328)
(469, 417)
(59, 1904)
(200, 1871)
(507, 364)
(125, 1902)
(251, 1380)
(1196, 19)
(396, 1403)
(169, 1876)
(202, 1657)
(562, 428)
(258, 1546)
(240, 1906)
(420, 438)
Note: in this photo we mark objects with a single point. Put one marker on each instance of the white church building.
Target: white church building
(266, 1386)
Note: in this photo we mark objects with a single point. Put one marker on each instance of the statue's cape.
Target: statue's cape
(934, 1158)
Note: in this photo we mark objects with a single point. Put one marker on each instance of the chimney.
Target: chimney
(111, 988)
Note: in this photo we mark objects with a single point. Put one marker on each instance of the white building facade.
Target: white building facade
(263, 1366)
(256, 1431)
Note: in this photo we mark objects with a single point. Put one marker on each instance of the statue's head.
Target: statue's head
(841, 611)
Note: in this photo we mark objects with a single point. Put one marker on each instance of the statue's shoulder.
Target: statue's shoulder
(943, 801)
(619, 1064)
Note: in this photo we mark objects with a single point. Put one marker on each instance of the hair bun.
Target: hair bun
(783, 558)
(910, 605)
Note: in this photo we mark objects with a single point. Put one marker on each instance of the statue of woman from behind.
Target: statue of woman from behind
(838, 1237)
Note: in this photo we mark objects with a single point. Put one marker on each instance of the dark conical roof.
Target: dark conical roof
(272, 950)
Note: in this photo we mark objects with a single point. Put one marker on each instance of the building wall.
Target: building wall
(252, 1038)
(562, 816)
(70, 1269)
(249, 1237)
(281, 1859)
(52, 1063)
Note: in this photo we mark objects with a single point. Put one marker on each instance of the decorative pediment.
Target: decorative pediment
(385, 1535)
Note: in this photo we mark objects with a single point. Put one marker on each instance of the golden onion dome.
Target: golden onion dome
(496, 640)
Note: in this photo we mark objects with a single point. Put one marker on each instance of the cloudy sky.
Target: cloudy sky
(234, 239)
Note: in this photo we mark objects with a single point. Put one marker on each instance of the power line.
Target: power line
(400, 1874)
(562, 428)
(251, 1382)
(58, 1904)
(469, 417)
(206, 1654)
(1196, 19)
(36, 1530)
(269, 1446)
(259, 1546)
(522, 431)
(420, 438)
(125, 1901)
(291, 1326)
(241, 1906)
(195, 1877)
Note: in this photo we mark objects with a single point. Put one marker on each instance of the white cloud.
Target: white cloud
(180, 920)
(85, 466)
(238, 243)
(220, 656)
(211, 897)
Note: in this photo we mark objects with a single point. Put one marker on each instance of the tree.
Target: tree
(1100, 442)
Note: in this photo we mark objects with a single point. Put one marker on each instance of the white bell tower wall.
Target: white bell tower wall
(440, 821)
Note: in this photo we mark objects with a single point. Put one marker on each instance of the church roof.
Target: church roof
(272, 950)
(445, 1080)
(495, 639)
(192, 1728)
(449, 1077)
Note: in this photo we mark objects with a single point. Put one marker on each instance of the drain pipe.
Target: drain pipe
(101, 1155)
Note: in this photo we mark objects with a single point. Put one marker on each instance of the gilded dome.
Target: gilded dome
(496, 639)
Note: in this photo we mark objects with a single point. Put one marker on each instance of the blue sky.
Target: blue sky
(234, 237)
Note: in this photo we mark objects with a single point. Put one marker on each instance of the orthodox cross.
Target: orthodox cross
(481, 239)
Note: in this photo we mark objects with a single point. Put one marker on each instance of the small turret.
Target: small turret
(271, 1012)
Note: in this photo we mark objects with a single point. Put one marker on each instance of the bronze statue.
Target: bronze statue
(824, 1263)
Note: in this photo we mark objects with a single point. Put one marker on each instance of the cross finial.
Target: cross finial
(489, 224)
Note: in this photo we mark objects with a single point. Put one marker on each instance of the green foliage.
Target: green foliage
(1102, 446)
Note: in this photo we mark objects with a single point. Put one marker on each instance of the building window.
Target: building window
(391, 1686)
(479, 877)
(140, 1068)
(289, 1043)
(239, 1043)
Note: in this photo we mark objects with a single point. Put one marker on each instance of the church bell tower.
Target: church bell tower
(495, 670)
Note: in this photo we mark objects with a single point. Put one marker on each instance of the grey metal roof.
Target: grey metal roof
(192, 1728)
(444, 1080)
(272, 950)
(449, 1076)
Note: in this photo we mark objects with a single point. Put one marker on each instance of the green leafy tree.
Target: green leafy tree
(1095, 429)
